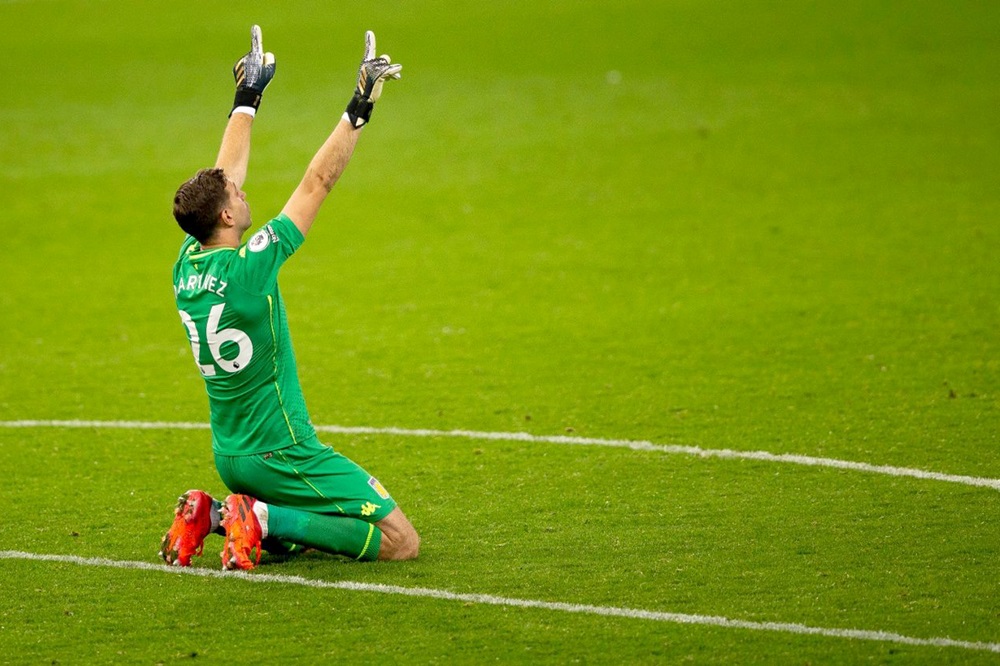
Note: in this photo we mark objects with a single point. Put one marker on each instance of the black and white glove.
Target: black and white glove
(252, 73)
(371, 75)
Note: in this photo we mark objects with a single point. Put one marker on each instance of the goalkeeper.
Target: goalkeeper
(289, 490)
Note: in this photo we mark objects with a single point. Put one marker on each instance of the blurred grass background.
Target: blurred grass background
(661, 220)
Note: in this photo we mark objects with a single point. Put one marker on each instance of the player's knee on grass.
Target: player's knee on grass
(399, 540)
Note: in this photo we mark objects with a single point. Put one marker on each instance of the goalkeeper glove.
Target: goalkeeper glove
(252, 73)
(371, 75)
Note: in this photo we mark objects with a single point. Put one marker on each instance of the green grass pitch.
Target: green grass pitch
(756, 226)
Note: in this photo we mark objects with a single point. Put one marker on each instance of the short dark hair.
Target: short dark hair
(199, 201)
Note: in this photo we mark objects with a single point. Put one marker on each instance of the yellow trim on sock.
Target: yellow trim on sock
(368, 541)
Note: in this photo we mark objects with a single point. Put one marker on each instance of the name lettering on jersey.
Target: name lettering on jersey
(201, 282)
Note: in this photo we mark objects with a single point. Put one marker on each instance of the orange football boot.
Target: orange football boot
(192, 523)
(243, 533)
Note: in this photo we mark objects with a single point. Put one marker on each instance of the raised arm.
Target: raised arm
(252, 73)
(234, 154)
(332, 158)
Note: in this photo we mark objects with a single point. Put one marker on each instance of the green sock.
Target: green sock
(281, 547)
(339, 535)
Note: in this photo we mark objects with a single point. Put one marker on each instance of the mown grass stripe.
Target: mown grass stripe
(637, 445)
(489, 599)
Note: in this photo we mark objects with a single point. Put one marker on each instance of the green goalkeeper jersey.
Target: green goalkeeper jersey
(232, 310)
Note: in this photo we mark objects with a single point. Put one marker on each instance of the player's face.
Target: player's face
(238, 207)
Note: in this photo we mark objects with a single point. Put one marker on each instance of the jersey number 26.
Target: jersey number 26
(215, 339)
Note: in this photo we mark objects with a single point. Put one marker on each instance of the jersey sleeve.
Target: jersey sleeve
(259, 259)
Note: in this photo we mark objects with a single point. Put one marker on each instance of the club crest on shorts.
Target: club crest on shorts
(378, 487)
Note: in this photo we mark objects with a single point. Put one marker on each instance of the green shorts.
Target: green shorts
(308, 476)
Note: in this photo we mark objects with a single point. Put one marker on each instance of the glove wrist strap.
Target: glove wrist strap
(249, 110)
(359, 110)
(246, 98)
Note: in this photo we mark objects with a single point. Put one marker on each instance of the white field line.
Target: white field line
(488, 599)
(637, 445)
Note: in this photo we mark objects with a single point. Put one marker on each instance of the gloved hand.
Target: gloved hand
(371, 75)
(252, 73)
